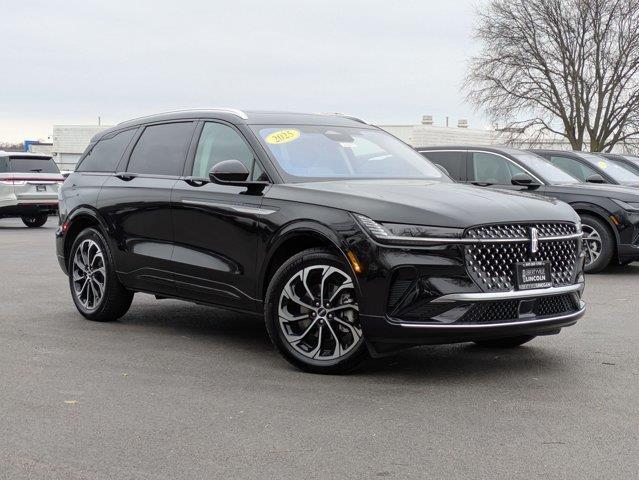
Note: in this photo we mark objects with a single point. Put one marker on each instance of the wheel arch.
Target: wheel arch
(78, 220)
(296, 238)
(601, 214)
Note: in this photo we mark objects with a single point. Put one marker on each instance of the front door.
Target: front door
(216, 226)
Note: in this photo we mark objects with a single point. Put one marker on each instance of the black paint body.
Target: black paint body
(219, 245)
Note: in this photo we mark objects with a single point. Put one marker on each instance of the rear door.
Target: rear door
(216, 226)
(136, 204)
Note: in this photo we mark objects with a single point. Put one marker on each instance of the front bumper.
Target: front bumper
(416, 296)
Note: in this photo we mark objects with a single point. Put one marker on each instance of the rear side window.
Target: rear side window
(33, 165)
(453, 162)
(106, 154)
(161, 150)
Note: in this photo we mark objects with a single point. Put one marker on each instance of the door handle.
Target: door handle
(126, 176)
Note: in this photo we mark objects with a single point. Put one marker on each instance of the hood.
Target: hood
(603, 190)
(423, 202)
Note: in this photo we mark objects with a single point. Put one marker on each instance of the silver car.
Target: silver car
(29, 186)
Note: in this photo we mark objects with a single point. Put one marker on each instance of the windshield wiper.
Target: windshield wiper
(37, 170)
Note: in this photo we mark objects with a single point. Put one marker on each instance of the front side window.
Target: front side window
(33, 165)
(492, 169)
(219, 142)
(161, 150)
(106, 154)
(315, 152)
(573, 167)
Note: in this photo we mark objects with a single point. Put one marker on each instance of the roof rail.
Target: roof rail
(350, 117)
(232, 111)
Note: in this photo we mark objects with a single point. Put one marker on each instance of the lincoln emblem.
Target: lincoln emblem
(534, 240)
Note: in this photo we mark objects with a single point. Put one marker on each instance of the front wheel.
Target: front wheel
(599, 244)
(312, 313)
(510, 342)
(35, 221)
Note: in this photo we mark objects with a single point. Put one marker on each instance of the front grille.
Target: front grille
(492, 265)
(508, 310)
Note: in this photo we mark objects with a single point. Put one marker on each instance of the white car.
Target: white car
(29, 186)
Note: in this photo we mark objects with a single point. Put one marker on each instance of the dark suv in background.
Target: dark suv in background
(590, 167)
(609, 213)
(345, 239)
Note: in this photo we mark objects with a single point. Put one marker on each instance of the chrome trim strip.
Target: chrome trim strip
(511, 294)
(232, 111)
(227, 206)
(471, 241)
(569, 316)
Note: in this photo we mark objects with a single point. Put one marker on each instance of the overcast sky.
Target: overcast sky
(68, 62)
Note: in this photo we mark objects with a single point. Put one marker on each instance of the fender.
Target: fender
(304, 228)
(82, 211)
(600, 212)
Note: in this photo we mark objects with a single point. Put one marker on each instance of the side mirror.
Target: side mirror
(235, 173)
(524, 180)
(595, 178)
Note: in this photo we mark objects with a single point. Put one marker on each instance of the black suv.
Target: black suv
(609, 213)
(343, 237)
(591, 167)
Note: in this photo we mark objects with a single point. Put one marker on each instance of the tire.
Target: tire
(308, 334)
(35, 221)
(510, 342)
(599, 244)
(90, 248)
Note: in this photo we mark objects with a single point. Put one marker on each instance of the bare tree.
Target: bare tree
(563, 67)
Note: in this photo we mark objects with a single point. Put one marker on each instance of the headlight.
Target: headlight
(628, 206)
(407, 234)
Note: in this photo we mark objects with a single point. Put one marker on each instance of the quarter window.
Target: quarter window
(220, 142)
(490, 168)
(573, 167)
(106, 154)
(161, 150)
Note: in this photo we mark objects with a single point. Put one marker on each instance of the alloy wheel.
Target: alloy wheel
(89, 274)
(318, 313)
(592, 244)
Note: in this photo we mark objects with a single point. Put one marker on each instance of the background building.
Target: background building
(70, 141)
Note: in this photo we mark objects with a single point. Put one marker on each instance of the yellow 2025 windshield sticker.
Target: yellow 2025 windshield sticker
(282, 136)
(603, 165)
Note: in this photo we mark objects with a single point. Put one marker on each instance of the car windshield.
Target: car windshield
(33, 164)
(631, 165)
(553, 175)
(313, 152)
(614, 170)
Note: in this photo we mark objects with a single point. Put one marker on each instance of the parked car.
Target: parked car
(28, 187)
(590, 167)
(609, 213)
(343, 237)
(630, 162)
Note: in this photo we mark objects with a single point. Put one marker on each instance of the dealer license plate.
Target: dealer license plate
(533, 275)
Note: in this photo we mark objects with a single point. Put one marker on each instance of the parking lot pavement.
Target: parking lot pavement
(175, 390)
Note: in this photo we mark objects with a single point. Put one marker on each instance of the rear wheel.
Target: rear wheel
(95, 288)
(599, 244)
(312, 313)
(510, 342)
(35, 221)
